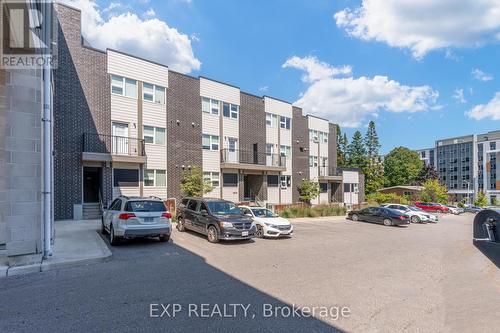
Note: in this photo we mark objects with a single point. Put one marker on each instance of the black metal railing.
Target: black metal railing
(111, 144)
(252, 157)
(330, 171)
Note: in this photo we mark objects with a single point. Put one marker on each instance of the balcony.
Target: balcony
(252, 160)
(330, 173)
(111, 148)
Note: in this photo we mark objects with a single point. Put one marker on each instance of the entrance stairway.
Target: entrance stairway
(91, 211)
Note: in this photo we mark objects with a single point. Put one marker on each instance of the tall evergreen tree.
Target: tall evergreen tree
(341, 147)
(374, 172)
(372, 144)
(356, 152)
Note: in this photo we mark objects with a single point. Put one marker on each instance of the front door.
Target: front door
(91, 184)
(120, 139)
(270, 155)
(232, 148)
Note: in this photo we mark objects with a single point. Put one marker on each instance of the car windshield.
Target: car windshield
(415, 209)
(223, 208)
(262, 212)
(145, 206)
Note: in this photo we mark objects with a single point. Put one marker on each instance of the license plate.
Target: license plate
(244, 233)
(149, 219)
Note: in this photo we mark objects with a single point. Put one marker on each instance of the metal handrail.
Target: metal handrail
(252, 157)
(330, 171)
(113, 144)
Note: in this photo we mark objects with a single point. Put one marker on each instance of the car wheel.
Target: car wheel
(103, 229)
(113, 240)
(355, 217)
(212, 234)
(164, 238)
(259, 233)
(387, 222)
(415, 219)
(180, 224)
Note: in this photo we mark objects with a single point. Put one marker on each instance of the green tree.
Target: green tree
(494, 201)
(372, 144)
(341, 147)
(356, 152)
(374, 170)
(481, 200)
(401, 166)
(308, 190)
(374, 178)
(434, 191)
(193, 184)
(428, 172)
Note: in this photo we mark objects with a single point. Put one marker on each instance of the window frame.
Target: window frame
(229, 184)
(272, 119)
(125, 185)
(213, 177)
(285, 122)
(154, 136)
(313, 161)
(213, 140)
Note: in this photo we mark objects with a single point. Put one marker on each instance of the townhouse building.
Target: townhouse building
(467, 165)
(129, 126)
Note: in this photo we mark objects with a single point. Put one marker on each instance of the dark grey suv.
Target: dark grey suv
(216, 218)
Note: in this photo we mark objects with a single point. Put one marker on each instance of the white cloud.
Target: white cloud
(150, 38)
(349, 101)
(489, 110)
(458, 95)
(150, 12)
(263, 88)
(480, 75)
(423, 25)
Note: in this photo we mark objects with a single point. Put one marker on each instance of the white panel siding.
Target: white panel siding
(214, 194)
(160, 192)
(137, 69)
(230, 193)
(323, 198)
(275, 106)
(350, 176)
(323, 149)
(313, 173)
(123, 108)
(286, 196)
(219, 91)
(231, 128)
(318, 124)
(272, 136)
(273, 195)
(210, 124)
(154, 114)
(156, 157)
(211, 161)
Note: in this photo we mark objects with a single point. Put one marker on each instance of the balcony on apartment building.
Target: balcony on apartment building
(252, 160)
(330, 173)
(112, 148)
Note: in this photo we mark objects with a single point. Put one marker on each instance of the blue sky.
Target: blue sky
(436, 52)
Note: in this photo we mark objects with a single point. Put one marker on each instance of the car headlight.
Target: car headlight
(226, 224)
(270, 225)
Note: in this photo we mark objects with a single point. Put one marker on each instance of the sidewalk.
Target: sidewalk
(76, 243)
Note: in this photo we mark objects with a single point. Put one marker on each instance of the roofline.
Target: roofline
(311, 115)
(136, 57)
(250, 94)
(224, 83)
(68, 6)
(277, 99)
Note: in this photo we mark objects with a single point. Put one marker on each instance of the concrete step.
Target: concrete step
(91, 211)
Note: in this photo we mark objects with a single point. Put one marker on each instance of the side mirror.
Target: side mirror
(248, 214)
(203, 212)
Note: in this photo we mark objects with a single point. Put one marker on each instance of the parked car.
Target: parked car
(216, 218)
(455, 209)
(382, 215)
(131, 217)
(432, 207)
(472, 209)
(415, 214)
(267, 223)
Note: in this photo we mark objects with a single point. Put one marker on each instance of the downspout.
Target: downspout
(46, 125)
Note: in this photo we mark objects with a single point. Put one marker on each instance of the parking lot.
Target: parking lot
(415, 278)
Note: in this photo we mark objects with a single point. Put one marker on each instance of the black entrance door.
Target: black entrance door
(91, 184)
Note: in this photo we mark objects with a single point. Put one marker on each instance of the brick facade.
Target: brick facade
(83, 105)
(300, 150)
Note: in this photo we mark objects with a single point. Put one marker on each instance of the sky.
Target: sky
(421, 69)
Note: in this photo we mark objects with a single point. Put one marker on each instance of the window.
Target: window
(324, 161)
(225, 110)
(126, 177)
(205, 104)
(271, 120)
(159, 94)
(355, 188)
(230, 110)
(286, 151)
(192, 205)
(116, 205)
(493, 145)
(285, 122)
(155, 178)
(323, 137)
(286, 181)
(313, 136)
(234, 111)
(212, 177)
(313, 161)
(209, 105)
(230, 179)
(154, 135)
(347, 187)
(272, 180)
(123, 86)
(210, 142)
(161, 178)
(214, 106)
(269, 148)
(148, 92)
(323, 187)
(149, 178)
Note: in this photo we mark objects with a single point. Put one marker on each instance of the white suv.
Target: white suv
(415, 214)
(131, 217)
(267, 223)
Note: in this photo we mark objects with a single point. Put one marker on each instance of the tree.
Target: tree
(372, 144)
(428, 172)
(308, 190)
(356, 152)
(193, 184)
(434, 191)
(494, 201)
(401, 166)
(341, 147)
(374, 178)
(481, 200)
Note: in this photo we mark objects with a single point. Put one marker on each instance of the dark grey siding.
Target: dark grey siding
(332, 145)
(82, 105)
(300, 151)
(183, 128)
(361, 188)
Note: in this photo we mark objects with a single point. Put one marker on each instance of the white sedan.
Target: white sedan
(415, 214)
(268, 224)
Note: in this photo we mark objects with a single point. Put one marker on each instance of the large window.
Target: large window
(271, 120)
(153, 93)
(285, 181)
(323, 187)
(210, 142)
(323, 137)
(313, 161)
(125, 177)
(285, 122)
(286, 151)
(230, 179)
(272, 180)
(212, 177)
(230, 110)
(123, 86)
(157, 178)
(313, 136)
(154, 135)
(209, 105)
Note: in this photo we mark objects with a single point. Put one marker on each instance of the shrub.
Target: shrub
(481, 200)
(380, 198)
(314, 211)
(461, 204)
(308, 190)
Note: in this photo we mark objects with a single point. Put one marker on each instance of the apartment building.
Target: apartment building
(467, 164)
(126, 125)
